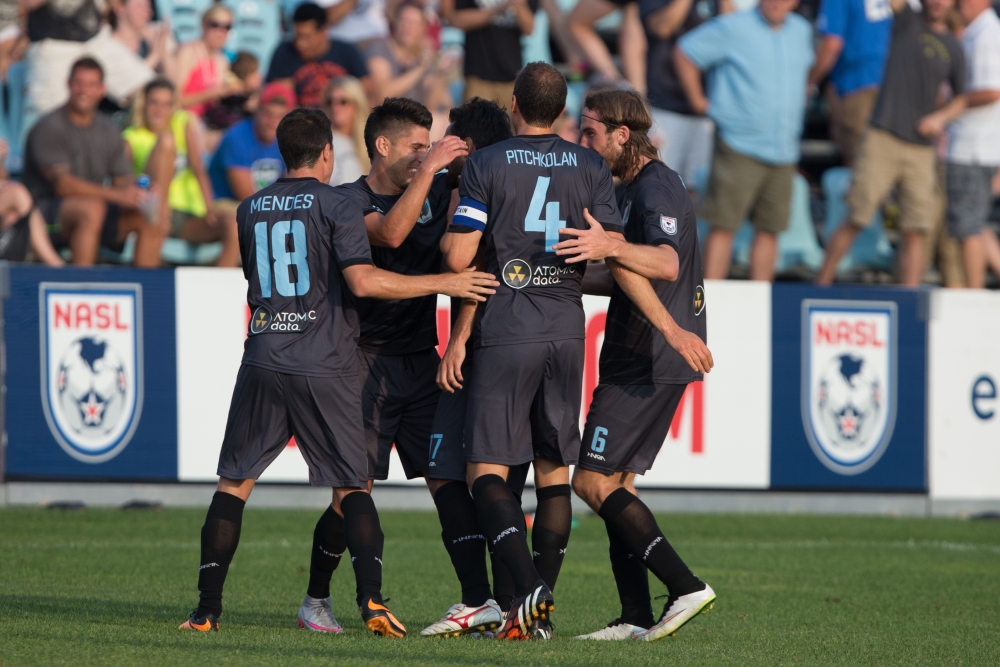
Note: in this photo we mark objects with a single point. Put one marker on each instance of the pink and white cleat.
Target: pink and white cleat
(317, 615)
(462, 620)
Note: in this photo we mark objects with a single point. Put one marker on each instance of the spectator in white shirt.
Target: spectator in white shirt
(974, 147)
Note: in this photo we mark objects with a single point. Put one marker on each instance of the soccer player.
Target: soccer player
(528, 342)
(405, 201)
(304, 251)
(653, 348)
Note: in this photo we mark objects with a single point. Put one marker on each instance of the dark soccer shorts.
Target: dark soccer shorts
(524, 403)
(398, 398)
(323, 413)
(446, 457)
(626, 426)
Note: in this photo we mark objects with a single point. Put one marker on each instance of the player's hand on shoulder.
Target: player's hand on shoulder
(443, 152)
(469, 284)
(449, 375)
(692, 348)
(590, 243)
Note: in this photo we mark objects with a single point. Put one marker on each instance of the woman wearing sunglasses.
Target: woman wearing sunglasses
(345, 102)
(202, 65)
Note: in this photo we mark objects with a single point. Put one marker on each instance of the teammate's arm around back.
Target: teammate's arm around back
(366, 281)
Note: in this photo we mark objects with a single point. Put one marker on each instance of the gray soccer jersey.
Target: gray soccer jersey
(657, 210)
(296, 236)
(519, 193)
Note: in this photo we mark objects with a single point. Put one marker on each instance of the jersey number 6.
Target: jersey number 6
(533, 220)
(291, 270)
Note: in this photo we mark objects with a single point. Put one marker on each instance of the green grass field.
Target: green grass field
(108, 587)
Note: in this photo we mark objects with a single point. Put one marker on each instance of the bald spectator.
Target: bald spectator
(71, 154)
(757, 62)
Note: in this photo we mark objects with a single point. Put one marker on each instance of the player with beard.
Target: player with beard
(305, 251)
(405, 201)
(528, 342)
(653, 348)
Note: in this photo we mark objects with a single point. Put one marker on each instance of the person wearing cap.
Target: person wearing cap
(248, 158)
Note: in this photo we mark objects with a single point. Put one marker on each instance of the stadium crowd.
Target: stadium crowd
(155, 141)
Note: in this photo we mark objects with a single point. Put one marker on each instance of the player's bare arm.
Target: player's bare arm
(461, 249)
(449, 376)
(366, 281)
(653, 262)
(391, 229)
(687, 344)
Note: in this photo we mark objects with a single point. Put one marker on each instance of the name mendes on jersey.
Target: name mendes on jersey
(534, 158)
(272, 203)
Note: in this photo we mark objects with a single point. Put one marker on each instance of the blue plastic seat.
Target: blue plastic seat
(256, 28)
(871, 249)
(174, 251)
(184, 16)
(12, 102)
(798, 245)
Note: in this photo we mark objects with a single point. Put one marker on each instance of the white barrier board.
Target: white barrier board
(963, 389)
(720, 438)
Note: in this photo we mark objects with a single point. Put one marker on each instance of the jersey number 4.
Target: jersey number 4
(533, 221)
(291, 270)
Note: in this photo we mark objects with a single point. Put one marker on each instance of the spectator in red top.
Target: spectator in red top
(311, 59)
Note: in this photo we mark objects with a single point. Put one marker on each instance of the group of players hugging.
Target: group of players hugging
(357, 269)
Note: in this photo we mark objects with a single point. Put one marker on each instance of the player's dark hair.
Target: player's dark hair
(541, 94)
(483, 121)
(392, 118)
(302, 136)
(310, 11)
(614, 107)
(86, 62)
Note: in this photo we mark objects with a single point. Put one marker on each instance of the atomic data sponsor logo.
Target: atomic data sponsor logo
(699, 300)
(518, 274)
(849, 381)
(91, 366)
(263, 320)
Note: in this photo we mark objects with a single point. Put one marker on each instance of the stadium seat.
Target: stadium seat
(256, 28)
(175, 251)
(798, 245)
(12, 101)
(871, 249)
(184, 16)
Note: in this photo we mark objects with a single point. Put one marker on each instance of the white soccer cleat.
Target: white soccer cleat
(676, 613)
(317, 615)
(616, 630)
(461, 620)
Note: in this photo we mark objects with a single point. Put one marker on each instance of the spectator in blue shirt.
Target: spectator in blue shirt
(756, 63)
(852, 51)
(248, 158)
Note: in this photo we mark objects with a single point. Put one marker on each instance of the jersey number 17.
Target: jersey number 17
(291, 270)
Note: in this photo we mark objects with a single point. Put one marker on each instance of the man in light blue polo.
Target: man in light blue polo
(852, 50)
(757, 63)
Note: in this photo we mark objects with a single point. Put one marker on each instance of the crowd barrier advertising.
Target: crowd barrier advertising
(849, 378)
(91, 367)
(118, 374)
(963, 382)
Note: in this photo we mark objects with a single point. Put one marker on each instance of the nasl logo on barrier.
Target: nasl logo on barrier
(91, 359)
(848, 381)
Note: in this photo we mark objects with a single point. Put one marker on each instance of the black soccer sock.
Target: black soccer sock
(364, 540)
(329, 545)
(632, 521)
(503, 583)
(502, 521)
(219, 538)
(632, 582)
(550, 530)
(464, 541)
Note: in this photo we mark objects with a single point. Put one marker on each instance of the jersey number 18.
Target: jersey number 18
(533, 220)
(288, 281)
